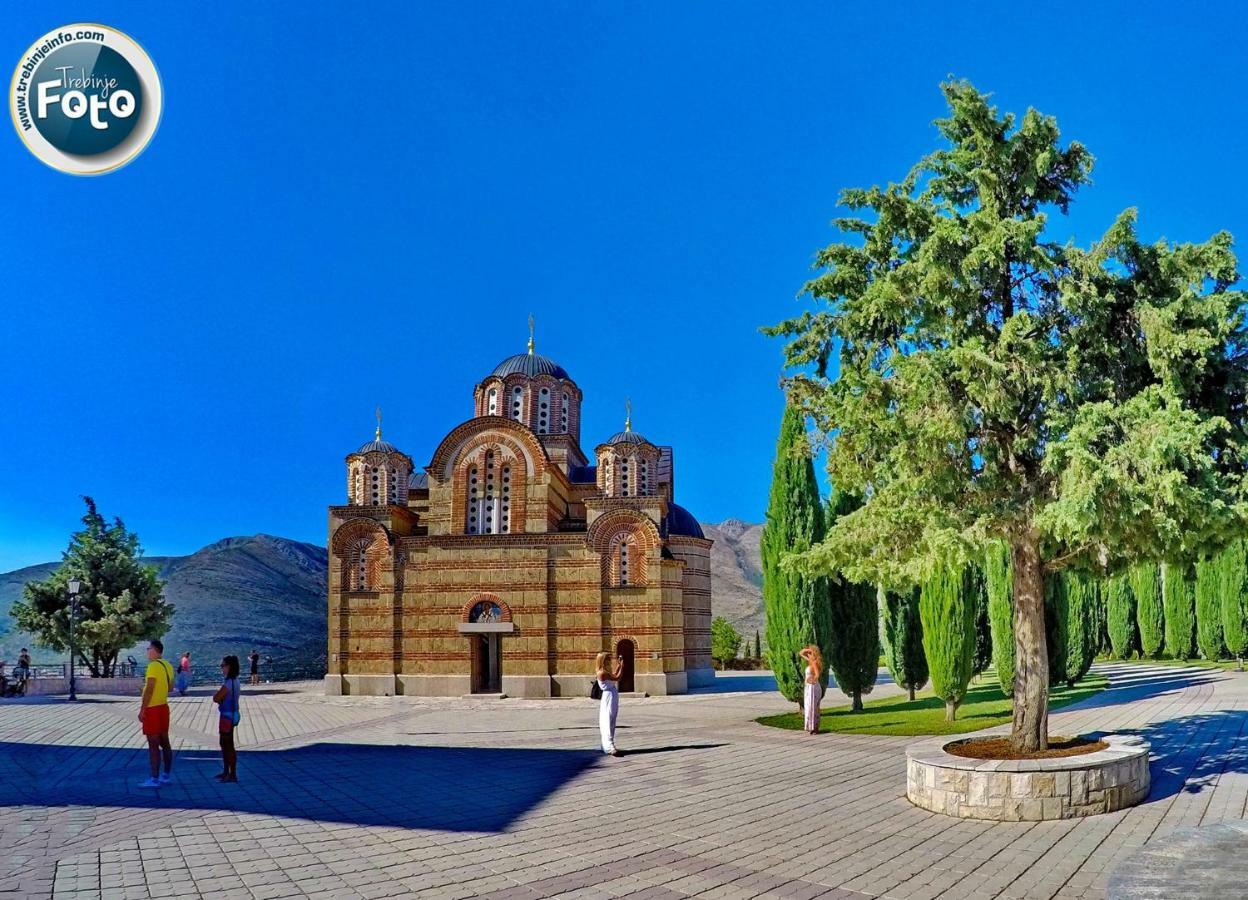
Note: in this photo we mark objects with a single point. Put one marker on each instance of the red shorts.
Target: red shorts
(226, 725)
(156, 720)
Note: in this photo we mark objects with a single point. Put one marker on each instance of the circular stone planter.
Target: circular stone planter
(1027, 790)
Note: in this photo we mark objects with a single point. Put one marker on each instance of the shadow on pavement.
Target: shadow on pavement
(443, 788)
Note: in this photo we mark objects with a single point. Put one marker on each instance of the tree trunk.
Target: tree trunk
(951, 710)
(857, 707)
(911, 693)
(1031, 653)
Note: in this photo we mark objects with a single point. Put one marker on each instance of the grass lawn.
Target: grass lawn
(984, 707)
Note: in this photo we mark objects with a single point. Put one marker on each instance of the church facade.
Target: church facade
(514, 557)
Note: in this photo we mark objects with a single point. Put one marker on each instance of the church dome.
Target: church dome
(681, 522)
(377, 445)
(626, 437)
(530, 364)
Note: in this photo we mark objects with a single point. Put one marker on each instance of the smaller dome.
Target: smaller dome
(417, 481)
(626, 437)
(377, 445)
(681, 522)
(532, 365)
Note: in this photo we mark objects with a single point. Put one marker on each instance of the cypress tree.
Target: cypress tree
(1120, 611)
(983, 627)
(947, 613)
(1178, 598)
(901, 637)
(999, 584)
(1082, 635)
(855, 656)
(1208, 609)
(758, 645)
(1233, 594)
(796, 606)
(1056, 616)
(1150, 614)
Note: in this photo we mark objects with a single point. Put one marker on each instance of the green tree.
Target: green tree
(998, 582)
(983, 626)
(1179, 599)
(1208, 608)
(120, 603)
(976, 379)
(725, 641)
(1233, 592)
(1149, 611)
(1077, 602)
(947, 612)
(795, 603)
(1120, 611)
(855, 656)
(758, 645)
(901, 637)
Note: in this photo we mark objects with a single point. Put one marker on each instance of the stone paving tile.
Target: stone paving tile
(382, 797)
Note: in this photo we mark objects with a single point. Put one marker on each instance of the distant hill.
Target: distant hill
(260, 592)
(737, 574)
(268, 593)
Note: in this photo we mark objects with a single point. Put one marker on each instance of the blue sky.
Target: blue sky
(345, 209)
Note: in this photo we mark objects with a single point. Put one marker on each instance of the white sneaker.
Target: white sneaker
(166, 778)
(150, 783)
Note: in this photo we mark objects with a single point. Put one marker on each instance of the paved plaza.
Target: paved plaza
(410, 797)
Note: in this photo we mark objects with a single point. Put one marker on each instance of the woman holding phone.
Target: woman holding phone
(608, 671)
(813, 690)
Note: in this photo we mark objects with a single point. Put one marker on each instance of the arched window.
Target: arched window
(563, 414)
(517, 403)
(392, 485)
(357, 485)
(624, 477)
(543, 411)
(626, 566)
(608, 486)
(474, 501)
(504, 518)
(491, 406)
(357, 565)
(643, 484)
(376, 486)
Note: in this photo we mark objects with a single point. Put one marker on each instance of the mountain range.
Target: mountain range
(267, 594)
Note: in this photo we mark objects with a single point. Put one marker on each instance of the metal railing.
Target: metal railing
(270, 671)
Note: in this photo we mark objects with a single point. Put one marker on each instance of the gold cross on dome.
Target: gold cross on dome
(530, 335)
(379, 423)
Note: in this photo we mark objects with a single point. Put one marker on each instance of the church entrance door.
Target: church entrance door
(486, 664)
(625, 651)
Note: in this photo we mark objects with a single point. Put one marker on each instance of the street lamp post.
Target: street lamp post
(74, 587)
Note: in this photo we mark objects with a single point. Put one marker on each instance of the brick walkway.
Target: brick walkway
(394, 797)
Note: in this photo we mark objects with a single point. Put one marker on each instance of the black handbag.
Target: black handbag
(595, 690)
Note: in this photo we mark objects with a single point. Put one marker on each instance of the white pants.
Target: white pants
(608, 708)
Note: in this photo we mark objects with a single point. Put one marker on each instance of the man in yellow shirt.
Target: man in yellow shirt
(154, 714)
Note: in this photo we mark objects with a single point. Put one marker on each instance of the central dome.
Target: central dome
(530, 364)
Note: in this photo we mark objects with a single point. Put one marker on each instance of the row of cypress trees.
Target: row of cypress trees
(960, 621)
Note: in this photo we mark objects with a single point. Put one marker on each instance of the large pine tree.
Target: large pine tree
(855, 657)
(901, 637)
(795, 604)
(976, 377)
(121, 601)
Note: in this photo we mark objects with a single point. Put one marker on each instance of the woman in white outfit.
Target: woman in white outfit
(608, 676)
(813, 692)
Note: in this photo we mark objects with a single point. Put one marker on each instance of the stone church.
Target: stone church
(512, 559)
